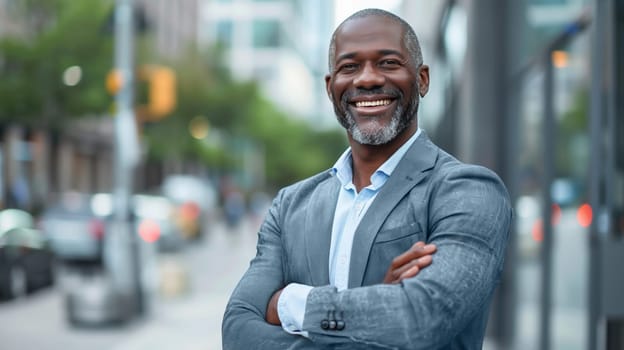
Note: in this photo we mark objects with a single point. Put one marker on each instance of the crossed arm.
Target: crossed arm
(469, 232)
(403, 266)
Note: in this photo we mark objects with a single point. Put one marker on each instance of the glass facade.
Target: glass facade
(528, 212)
(569, 253)
(224, 33)
(564, 163)
(266, 34)
(565, 279)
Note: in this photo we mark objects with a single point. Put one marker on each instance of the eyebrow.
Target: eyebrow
(384, 52)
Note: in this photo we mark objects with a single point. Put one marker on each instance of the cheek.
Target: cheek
(335, 96)
(338, 88)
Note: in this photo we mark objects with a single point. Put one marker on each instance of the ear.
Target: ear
(327, 87)
(423, 80)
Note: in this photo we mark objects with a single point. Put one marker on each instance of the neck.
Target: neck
(368, 158)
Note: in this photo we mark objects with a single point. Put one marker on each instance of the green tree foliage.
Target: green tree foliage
(293, 150)
(63, 33)
(57, 34)
(240, 118)
(572, 140)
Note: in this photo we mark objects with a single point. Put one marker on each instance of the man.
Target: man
(341, 261)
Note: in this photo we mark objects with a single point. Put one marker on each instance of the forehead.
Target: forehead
(371, 33)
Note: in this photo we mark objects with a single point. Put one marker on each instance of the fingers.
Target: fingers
(410, 269)
(410, 263)
(418, 250)
(407, 256)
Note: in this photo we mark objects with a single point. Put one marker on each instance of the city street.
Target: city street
(190, 319)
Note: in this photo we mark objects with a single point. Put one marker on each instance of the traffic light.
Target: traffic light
(156, 90)
(161, 91)
(114, 82)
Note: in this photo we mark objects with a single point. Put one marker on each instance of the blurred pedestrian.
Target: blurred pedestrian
(399, 245)
(234, 208)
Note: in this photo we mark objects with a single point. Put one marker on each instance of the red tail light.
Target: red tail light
(189, 211)
(149, 231)
(96, 228)
(584, 215)
(537, 230)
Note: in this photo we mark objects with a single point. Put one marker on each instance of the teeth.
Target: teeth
(372, 103)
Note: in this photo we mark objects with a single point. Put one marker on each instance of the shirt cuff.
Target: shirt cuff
(291, 307)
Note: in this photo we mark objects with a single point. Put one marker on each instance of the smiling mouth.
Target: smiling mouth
(373, 103)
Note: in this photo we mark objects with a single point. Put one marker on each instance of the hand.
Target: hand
(409, 263)
(272, 316)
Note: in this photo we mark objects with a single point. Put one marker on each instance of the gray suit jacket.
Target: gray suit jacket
(431, 196)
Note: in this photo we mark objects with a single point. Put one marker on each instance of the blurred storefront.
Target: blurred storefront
(531, 89)
(37, 164)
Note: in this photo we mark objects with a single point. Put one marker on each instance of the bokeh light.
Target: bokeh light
(72, 76)
(198, 127)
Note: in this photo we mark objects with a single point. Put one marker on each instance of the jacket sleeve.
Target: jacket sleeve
(244, 326)
(468, 218)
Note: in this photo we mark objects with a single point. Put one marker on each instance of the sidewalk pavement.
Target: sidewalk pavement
(188, 310)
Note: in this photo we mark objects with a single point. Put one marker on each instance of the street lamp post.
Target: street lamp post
(123, 251)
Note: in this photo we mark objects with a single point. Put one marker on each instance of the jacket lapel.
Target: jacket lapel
(318, 225)
(409, 172)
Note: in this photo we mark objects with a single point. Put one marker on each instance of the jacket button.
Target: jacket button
(340, 325)
(332, 324)
(325, 324)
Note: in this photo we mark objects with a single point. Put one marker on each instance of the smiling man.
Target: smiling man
(397, 246)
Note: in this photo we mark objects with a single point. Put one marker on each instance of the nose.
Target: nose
(369, 77)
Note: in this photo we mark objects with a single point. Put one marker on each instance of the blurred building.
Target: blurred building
(9, 23)
(532, 89)
(174, 24)
(35, 163)
(280, 44)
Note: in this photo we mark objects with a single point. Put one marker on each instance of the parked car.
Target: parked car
(77, 225)
(91, 299)
(26, 262)
(74, 229)
(195, 201)
(154, 217)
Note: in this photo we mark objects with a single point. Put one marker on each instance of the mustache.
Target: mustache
(392, 92)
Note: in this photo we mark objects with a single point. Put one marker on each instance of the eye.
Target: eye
(348, 67)
(390, 63)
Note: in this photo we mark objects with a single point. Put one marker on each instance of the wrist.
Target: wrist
(272, 316)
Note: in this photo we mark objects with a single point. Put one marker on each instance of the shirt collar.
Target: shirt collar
(344, 172)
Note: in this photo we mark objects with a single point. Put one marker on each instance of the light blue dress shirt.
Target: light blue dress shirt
(350, 209)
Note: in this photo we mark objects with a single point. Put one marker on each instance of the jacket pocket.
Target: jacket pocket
(398, 233)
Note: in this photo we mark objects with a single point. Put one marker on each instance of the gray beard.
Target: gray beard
(378, 134)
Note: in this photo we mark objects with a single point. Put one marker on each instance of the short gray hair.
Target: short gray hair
(410, 40)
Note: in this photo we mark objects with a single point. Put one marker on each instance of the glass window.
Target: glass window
(569, 255)
(569, 193)
(266, 33)
(528, 210)
(224, 33)
(456, 38)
